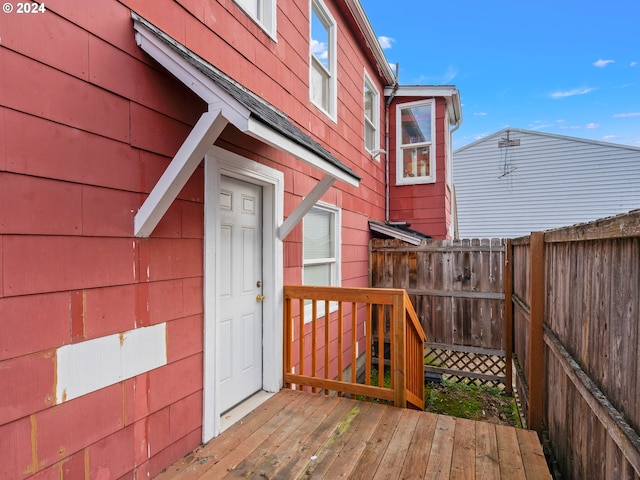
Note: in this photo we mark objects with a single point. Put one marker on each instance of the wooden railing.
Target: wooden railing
(334, 352)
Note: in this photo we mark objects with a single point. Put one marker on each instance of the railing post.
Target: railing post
(536, 331)
(508, 316)
(288, 337)
(398, 350)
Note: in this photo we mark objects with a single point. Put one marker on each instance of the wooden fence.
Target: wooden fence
(457, 290)
(574, 303)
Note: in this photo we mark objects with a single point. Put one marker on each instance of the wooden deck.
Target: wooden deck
(302, 435)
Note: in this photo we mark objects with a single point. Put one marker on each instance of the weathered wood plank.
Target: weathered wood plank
(439, 464)
(338, 448)
(394, 457)
(621, 226)
(535, 465)
(511, 466)
(456, 294)
(262, 439)
(621, 433)
(415, 463)
(376, 446)
(536, 343)
(266, 418)
(487, 461)
(303, 435)
(464, 465)
(348, 454)
(301, 452)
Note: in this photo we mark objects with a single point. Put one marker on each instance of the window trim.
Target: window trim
(269, 12)
(375, 122)
(322, 12)
(337, 262)
(400, 179)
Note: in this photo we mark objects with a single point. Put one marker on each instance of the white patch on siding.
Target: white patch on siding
(94, 364)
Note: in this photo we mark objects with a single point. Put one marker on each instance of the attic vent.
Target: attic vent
(508, 142)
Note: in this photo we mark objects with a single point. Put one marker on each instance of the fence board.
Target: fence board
(591, 344)
(455, 286)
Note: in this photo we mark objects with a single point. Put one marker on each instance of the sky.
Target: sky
(566, 67)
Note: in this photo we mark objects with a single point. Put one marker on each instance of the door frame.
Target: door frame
(219, 162)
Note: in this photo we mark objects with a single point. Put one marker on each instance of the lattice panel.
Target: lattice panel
(473, 367)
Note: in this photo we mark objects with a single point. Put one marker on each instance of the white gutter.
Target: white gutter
(386, 144)
(370, 37)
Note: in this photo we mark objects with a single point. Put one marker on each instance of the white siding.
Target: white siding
(548, 181)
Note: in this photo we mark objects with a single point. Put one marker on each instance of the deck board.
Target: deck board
(301, 435)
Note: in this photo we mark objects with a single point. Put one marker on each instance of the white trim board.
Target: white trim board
(220, 162)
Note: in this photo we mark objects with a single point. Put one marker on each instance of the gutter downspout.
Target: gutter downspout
(386, 143)
(454, 203)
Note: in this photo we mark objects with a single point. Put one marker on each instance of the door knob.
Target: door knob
(260, 298)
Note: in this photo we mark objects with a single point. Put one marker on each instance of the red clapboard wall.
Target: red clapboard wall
(88, 123)
(426, 206)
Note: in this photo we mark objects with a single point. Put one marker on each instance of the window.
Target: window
(263, 12)
(320, 246)
(415, 154)
(371, 115)
(323, 59)
(321, 251)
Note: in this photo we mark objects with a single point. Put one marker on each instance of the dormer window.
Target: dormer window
(415, 152)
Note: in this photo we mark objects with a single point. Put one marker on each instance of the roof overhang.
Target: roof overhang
(362, 21)
(228, 103)
(449, 92)
(397, 232)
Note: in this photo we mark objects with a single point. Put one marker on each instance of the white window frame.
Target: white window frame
(372, 122)
(431, 143)
(322, 13)
(264, 14)
(336, 260)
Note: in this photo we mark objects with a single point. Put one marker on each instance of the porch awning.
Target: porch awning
(228, 103)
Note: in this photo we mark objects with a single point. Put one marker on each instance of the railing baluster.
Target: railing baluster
(392, 373)
(367, 373)
(381, 335)
(314, 343)
(301, 322)
(327, 325)
(340, 346)
(287, 337)
(354, 342)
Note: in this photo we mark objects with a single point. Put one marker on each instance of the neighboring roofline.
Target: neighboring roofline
(362, 21)
(546, 134)
(449, 92)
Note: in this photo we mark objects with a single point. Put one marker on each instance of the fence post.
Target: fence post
(398, 350)
(536, 329)
(508, 316)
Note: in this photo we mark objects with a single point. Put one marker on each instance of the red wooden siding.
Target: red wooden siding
(426, 206)
(88, 124)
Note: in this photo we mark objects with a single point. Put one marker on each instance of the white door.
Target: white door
(240, 290)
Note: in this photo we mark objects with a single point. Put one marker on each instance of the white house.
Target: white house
(518, 181)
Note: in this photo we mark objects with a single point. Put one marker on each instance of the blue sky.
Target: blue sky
(566, 67)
